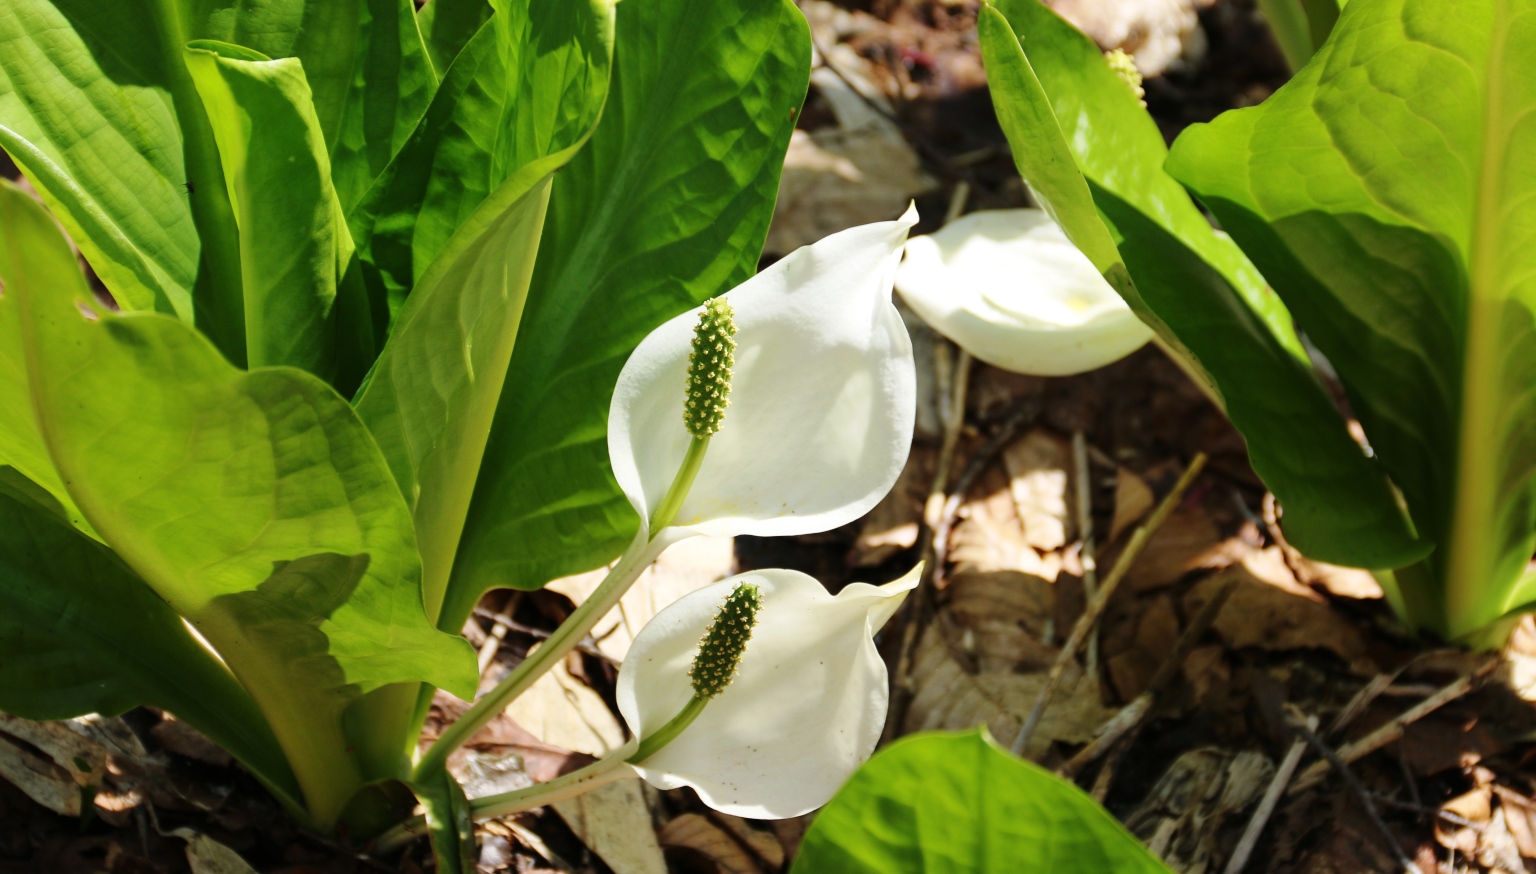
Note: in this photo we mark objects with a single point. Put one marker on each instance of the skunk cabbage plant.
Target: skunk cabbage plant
(352, 354)
(1012, 290)
(1387, 195)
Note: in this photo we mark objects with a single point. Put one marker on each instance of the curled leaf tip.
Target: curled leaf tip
(725, 640)
(709, 368)
(1125, 68)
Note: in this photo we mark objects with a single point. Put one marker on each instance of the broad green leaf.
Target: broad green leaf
(449, 823)
(99, 111)
(294, 245)
(430, 400)
(446, 25)
(254, 503)
(957, 804)
(1094, 158)
(525, 86)
(1389, 192)
(21, 444)
(392, 83)
(79, 633)
(667, 205)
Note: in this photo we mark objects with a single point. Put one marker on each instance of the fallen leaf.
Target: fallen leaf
(989, 536)
(1188, 540)
(184, 740)
(1038, 481)
(615, 823)
(835, 179)
(763, 844)
(1133, 500)
(207, 856)
(1181, 815)
(1475, 807)
(43, 781)
(1157, 631)
(1268, 609)
(694, 833)
(686, 567)
(947, 696)
(563, 711)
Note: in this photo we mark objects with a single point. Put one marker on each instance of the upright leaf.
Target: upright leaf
(446, 25)
(79, 633)
(955, 802)
(1389, 192)
(99, 111)
(255, 503)
(523, 87)
(667, 205)
(432, 397)
(1105, 185)
(294, 245)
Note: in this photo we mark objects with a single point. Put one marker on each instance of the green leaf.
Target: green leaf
(294, 245)
(431, 399)
(667, 205)
(219, 486)
(1398, 220)
(99, 111)
(446, 25)
(525, 86)
(392, 84)
(449, 823)
(79, 633)
(1106, 187)
(956, 802)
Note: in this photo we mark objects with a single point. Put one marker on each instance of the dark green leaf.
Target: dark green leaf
(208, 480)
(1207, 303)
(1389, 192)
(667, 205)
(446, 25)
(449, 823)
(79, 633)
(955, 802)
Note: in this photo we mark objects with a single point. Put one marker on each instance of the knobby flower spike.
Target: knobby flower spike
(785, 406)
(1011, 289)
(804, 709)
(822, 395)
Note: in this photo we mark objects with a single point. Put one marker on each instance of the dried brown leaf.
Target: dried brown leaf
(1039, 482)
(695, 833)
(614, 821)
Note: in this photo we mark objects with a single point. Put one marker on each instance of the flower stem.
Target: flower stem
(576, 626)
(669, 732)
(565, 638)
(666, 511)
(599, 773)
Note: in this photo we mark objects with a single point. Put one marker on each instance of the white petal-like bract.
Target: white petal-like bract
(822, 399)
(805, 710)
(1011, 289)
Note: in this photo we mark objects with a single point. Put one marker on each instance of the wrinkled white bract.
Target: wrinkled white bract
(805, 710)
(822, 400)
(1011, 289)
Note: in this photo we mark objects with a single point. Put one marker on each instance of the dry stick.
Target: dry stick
(1267, 804)
(1330, 758)
(1085, 535)
(1393, 730)
(1130, 717)
(1095, 608)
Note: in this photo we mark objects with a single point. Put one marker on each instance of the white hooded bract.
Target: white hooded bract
(805, 710)
(822, 400)
(1011, 289)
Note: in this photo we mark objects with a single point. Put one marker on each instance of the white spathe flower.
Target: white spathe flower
(1011, 289)
(805, 710)
(822, 398)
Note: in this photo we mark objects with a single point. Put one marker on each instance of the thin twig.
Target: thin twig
(1085, 535)
(1363, 698)
(1393, 730)
(1096, 607)
(1267, 804)
(587, 646)
(1332, 759)
(1132, 715)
